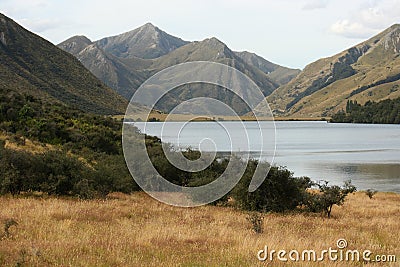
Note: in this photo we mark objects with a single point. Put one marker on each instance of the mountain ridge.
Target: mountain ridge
(32, 65)
(366, 71)
(124, 71)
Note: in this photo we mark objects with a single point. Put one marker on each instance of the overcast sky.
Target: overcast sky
(292, 33)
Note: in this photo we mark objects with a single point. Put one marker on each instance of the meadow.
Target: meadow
(135, 230)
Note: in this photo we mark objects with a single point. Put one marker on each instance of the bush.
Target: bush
(257, 220)
(279, 192)
(328, 196)
(370, 193)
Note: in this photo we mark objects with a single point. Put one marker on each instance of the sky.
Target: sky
(291, 33)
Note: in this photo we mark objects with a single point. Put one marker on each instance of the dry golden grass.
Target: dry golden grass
(135, 230)
(29, 145)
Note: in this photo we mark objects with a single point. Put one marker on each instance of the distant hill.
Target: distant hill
(278, 74)
(369, 71)
(125, 61)
(31, 65)
(118, 73)
(214, 50)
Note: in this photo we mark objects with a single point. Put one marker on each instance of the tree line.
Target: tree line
(385, 112)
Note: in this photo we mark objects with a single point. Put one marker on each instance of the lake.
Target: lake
(368, 154)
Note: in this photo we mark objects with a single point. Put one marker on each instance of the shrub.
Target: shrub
(328, 196)
(279, 192)
(257, 222)
(370, 193)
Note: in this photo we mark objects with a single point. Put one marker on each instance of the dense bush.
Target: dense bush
(60, 173)
(87, 158)
(279, 192)
(57, 124)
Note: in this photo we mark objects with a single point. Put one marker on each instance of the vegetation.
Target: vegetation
(257, 221)
(386, 111)
(279, 192)
(136, 230)
(327, 196)
(86, 156)
(371, 193)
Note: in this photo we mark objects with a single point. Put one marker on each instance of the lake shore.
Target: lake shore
(135, 230)
(201, 118)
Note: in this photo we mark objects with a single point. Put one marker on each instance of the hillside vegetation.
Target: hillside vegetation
(30, 64)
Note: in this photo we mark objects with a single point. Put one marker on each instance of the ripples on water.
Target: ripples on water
(368, 154)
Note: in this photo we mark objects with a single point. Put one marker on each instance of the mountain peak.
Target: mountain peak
(213, 40)
(395, 26)
(75, 44)
(145, 42)
(148, 25)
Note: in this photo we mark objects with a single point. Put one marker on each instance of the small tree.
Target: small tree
(257, 220)
(328, 196)
(370, 193)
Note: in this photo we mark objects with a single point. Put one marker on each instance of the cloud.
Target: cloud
(40, 25)
(315, 4)
(18, 6)
(368, 19)
(351, 29)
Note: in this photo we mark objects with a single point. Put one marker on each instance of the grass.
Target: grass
(135, 230)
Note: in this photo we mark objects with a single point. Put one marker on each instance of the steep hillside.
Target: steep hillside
(278, 74)
(124, 75)
(145, 42)
(367, 71)
(32, 65)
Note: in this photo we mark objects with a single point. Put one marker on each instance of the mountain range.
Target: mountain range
(100, 76)
(125, 61)
(369, 71)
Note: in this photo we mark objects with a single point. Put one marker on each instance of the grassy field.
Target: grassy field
(135, 230)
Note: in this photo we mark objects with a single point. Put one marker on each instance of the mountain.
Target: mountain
(278, 74)
(31, 65)
(75, 44)
(118, 73)
(145, 42)
(367, 71)
(125, 61)
(212, 49)
(126, 74)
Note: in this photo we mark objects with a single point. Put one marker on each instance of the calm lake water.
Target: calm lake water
(367, 154)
